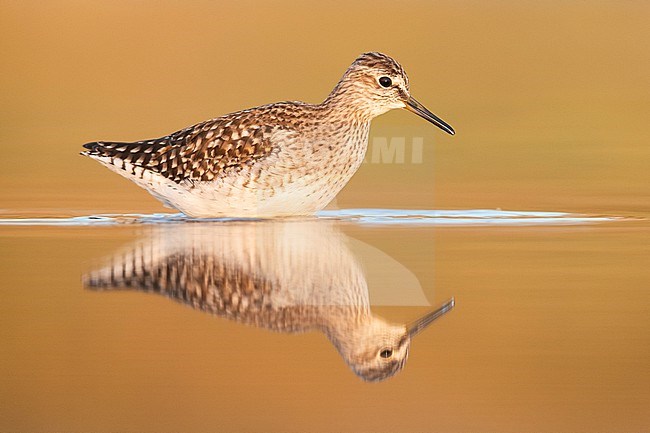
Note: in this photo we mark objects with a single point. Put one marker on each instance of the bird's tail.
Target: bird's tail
(137, 154)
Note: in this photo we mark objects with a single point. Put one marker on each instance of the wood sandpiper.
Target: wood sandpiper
(282, 159)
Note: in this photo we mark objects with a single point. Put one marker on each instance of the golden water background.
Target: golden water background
(550, 101)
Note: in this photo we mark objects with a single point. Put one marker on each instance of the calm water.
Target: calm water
(538, 224)
(151, 324)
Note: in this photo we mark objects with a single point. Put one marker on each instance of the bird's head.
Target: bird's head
(374, 84)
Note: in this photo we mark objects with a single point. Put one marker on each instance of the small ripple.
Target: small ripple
(466, 217)
(470, 217)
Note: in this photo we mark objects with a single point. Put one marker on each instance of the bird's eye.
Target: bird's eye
(386, 353)
(385, 82)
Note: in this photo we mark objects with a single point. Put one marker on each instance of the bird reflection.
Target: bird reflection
(291, 276)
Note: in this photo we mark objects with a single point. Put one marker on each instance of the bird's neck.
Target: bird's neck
(341, 323)
(348, 102)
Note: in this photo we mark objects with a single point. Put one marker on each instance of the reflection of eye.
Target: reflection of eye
(385, 82)
(386, 353)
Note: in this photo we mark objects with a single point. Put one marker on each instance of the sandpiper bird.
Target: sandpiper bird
(282, 159)
(286, 277)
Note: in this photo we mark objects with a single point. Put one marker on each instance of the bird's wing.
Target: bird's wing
(201, 152)
(201, 275)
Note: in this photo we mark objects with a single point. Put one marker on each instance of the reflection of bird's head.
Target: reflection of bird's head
(377, 349)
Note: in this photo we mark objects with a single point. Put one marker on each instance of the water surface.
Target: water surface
(112, 325)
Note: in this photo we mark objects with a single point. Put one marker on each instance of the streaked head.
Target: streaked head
(375, 83)
(381, 353)
(377, 350)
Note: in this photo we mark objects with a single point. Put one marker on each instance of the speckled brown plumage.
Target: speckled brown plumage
(206, 150)
(287, 158)
(224, 290)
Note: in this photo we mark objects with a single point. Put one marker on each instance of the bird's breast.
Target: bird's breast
(303, 173)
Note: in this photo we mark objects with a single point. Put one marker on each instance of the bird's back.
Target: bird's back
(201, 152)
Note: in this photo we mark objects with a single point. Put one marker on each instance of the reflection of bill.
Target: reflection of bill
(284, 276)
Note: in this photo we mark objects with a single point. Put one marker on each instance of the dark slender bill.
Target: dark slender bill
(419, 324)
(415, 107)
